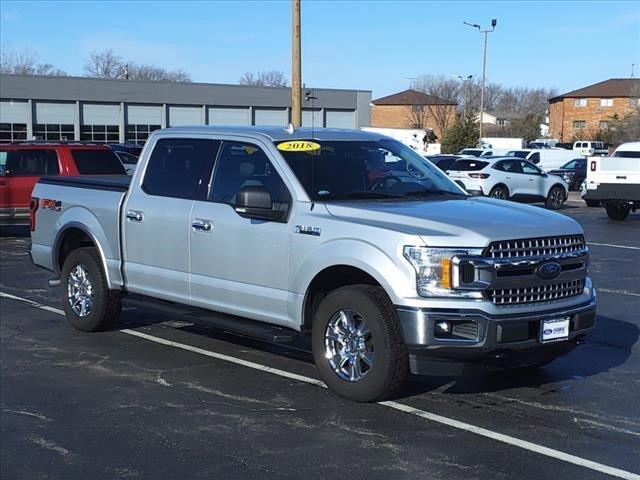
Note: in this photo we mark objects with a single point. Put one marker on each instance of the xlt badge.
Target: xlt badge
(307, 230)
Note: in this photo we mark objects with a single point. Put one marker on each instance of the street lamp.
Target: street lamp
(494, 22)
(465, 90)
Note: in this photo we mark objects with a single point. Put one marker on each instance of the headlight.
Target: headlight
(433, 270)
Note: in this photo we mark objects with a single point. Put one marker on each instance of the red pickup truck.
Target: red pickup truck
(22, 165)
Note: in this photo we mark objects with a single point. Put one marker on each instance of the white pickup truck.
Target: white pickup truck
(614, 181)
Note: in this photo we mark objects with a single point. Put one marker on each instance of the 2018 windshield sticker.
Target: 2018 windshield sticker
(298, 146)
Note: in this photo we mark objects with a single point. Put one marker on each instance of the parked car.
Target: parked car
(473, 152)
(615, 181)
(590, 148)
(443, 162)
(509, 178)
(128, 161)
(131, 148)
(546, 159)
(22, 165)
(573, 172)
(322, 232)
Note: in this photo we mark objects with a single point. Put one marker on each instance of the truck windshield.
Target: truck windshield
(351, 170)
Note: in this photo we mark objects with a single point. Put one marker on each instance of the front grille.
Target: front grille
(536, 247)
(534, 294)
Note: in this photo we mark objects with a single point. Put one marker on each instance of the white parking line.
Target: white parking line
(613, 246)
(618, 292)
(507, 439)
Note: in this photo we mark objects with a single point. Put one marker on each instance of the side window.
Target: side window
(243, 165)
(571, 165)
(180, 168)
(509, 166)
(31, 163)
(529, 169)
(3, 163)
(535, 157)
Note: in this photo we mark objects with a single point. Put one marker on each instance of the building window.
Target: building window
(54, 131)
(634, 102)
(138, 134)
(606, 102)
(579, 124)
(604, 125)
(13, 132)
(580, 102)
(100, 133)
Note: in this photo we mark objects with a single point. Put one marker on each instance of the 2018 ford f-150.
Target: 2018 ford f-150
(345, 235)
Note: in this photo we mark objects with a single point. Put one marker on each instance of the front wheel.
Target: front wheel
(88, 303)
(618, 211)
(556, 198)
(358, 346)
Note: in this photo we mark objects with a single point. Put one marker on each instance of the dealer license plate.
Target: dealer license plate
(554, 330)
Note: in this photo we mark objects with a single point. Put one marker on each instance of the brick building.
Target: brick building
(579, 114)
(413, 109)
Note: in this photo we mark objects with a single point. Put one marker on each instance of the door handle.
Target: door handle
(531, 180)
(134, 215)
(201, 225)
(507, 178)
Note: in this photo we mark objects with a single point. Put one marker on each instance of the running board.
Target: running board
(221, 321)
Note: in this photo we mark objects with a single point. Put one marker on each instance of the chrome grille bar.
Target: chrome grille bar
(536, 247)
(537, 293)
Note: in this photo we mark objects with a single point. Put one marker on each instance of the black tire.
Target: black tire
(592, 203)
(555, 199)
(577, 184)
(500, 192)
(106, 304)
(618, 211)
(390, 361)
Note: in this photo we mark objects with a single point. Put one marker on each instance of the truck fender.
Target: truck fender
(82, 219)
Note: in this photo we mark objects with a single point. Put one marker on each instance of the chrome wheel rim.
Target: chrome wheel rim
(499, 194)
(80, 291)
(556, 198)
(349, 345)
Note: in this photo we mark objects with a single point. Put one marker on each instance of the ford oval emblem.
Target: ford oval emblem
(549, 270)
(547, 331)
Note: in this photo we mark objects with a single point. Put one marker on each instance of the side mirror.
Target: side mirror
(256, 202)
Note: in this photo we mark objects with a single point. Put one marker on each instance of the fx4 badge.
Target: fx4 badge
(307, 230)
(55, 205)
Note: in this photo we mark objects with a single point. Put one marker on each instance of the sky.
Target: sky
(366, 45)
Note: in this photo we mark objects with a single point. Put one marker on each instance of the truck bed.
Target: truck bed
(118, 183)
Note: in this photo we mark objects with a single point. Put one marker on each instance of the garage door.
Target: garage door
(94, 114)
(185, 116)
(279, 117)
(341, 118)
(229, 116)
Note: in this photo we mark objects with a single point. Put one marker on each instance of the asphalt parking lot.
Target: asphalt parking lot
(163, 398)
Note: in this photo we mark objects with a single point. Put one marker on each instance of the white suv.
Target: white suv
(509, 178)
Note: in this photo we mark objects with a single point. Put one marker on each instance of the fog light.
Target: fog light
(443, 328)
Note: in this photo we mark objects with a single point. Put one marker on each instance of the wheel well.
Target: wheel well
(565, 190)
(72, 239)
(503, 186)
(328, 280)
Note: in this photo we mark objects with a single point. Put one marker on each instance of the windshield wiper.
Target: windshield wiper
(426, 193)
(364, 195)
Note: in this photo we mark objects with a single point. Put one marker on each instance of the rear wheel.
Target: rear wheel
(556, 198)
(358, 345)
(618, 211)
(87, 301)
(499, 192)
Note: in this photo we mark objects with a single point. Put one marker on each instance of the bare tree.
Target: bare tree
(443, 116)
(271, 78)
(108, 64)
(156, 74)
(25, 61)
(105, 64)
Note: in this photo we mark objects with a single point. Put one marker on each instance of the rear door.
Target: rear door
(22, 170)
(156, 218)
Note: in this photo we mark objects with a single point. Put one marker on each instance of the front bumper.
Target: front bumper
(499, 341)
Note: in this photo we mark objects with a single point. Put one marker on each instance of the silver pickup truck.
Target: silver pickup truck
(347, 236)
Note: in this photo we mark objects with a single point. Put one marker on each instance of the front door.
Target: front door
(535, 184)
(156, 217)
(241, 265)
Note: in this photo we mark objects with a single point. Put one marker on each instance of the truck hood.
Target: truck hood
(464, 222)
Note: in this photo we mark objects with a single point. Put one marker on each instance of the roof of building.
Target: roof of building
(411, 97)
(612, 88)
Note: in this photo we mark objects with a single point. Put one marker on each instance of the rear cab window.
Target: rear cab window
(97, 162)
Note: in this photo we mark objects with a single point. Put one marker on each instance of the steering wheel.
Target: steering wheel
(383, 182)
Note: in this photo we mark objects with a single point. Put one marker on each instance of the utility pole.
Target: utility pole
(296, 62)
(494, 22)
